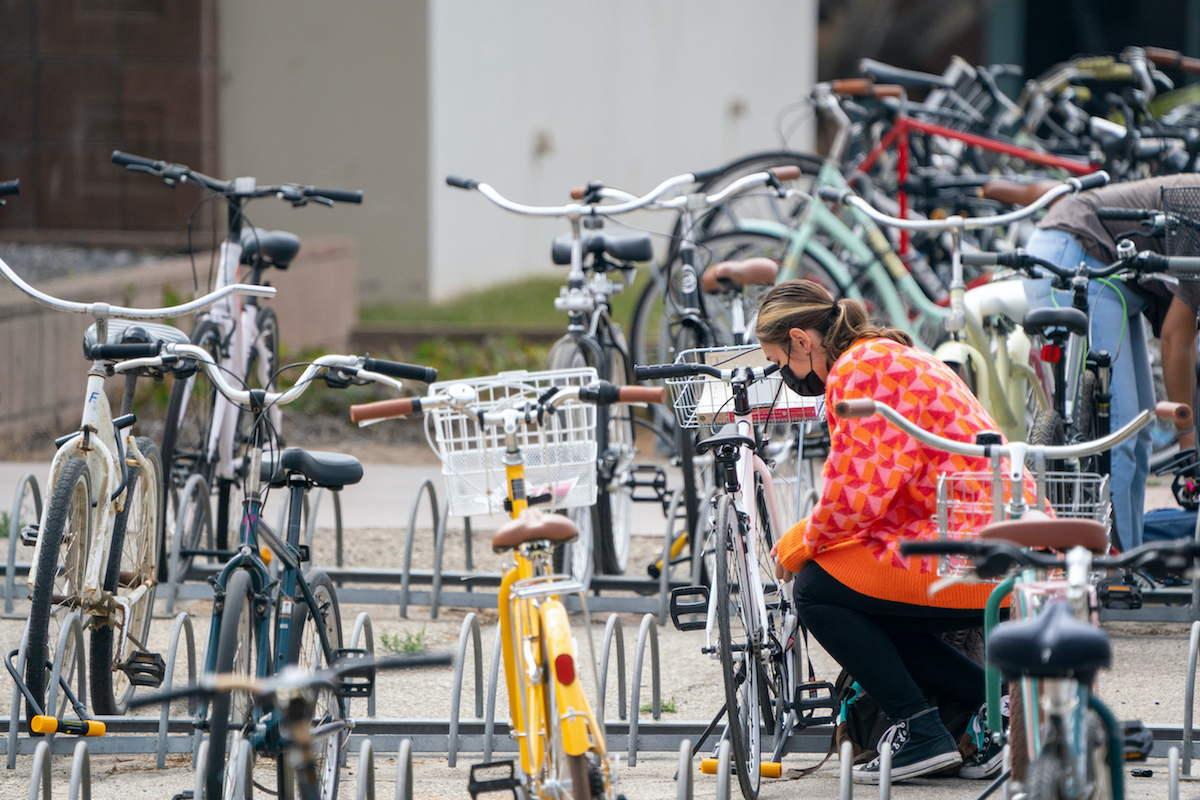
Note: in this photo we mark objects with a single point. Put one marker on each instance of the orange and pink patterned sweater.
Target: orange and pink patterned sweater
(881, 484)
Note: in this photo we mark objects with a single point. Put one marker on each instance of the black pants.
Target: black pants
(892, 649)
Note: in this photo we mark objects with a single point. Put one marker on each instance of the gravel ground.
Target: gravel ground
(35, 262)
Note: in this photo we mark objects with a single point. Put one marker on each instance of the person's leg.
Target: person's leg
(938, 667)
(1179, 361)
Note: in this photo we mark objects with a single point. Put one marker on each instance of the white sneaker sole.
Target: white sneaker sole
(926, 767)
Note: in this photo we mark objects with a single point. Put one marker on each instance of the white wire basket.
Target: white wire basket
(966, 501)
(559, 454)
(704, 400)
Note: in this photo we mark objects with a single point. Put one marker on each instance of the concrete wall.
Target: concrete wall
(42, 369)
(536, 96)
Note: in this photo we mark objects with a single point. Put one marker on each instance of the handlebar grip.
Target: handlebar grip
(938, 548)
(789, 173)
(385, 409)
(653, 373)
(1173, 58)
(120, 352)
(1134, 214)
(853, 87)
(461, 183)
(982, 259)
(705, 175)
(833, 194)
(1183, 263)
(1173, 412)
(578, 192)
(643, 394)
(852, 409)
(10, 187)
(395, 369)
(336, 195)
(1094, 181)
(128, 159)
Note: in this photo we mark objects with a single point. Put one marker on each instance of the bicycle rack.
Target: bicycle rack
(406, 573)
(845, 767)
(470, 627)
(1173, 774)
(1189, 700)
(183, 625)
(363, 624)
(648, 629)
(366, 771)
(685, 786)
(611, 628)
(725, 771)
(27, 483)
(489, 725)
(72, 627)
(196, 487)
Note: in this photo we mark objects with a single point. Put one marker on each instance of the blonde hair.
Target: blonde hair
(808, 305)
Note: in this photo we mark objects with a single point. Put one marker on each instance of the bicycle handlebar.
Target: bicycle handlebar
(122, 312)
(395, 369)
(785, 173)
(993, 557)
(686, 370)
(847, 197)
(10, 187)
(1132, 214)
(865, 407)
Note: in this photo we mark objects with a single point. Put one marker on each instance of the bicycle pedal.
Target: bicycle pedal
(29, 535)
(689, 608)
(355, 681)
(816, 704)
(1118, 595)
(505, 783)
(145, 669)
(656, 483)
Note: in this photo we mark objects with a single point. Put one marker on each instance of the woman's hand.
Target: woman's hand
(781, 572)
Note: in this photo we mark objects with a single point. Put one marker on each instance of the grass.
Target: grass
(409, 644)
(668, 706)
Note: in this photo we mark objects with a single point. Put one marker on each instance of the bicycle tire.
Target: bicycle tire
(305, 651)
(772, 683)
(576, 558)
(186, 433)
(1044, 778)
(66, 539)
(581, 781)
(614, 492)
(131, 563)
(236, 653)
(740, 666)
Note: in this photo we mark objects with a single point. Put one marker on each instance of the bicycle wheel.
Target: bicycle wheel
(773, 688)
(306, 652)
(762, 203)
(576, 558)
(131, 566)
(614, 492)
(738, 650)
(66, 539)
(186, 433)
(581, 782)
(1044, 780)
(236, 653)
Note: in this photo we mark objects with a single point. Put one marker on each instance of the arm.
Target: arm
(1179, 361)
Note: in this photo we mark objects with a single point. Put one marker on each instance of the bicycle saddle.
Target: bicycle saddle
(727, 435)
(126, 331)
(275, 248)
(327, 470)
(1051, 645)
(532, 525)
(621, 245)
(1035, 529)
(1044, 320)
(757, 271)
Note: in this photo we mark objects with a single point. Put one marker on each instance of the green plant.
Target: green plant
(668, 706)
(409, 644)
(5, 523)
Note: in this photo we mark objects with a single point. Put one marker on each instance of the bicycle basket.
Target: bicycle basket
(705, 400)
(1181, 204)
(560, 454)
(966, 502)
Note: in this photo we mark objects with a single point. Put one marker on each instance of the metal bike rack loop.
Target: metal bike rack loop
(612, 628)
(183, 625)
(198, 488)
(1189, 701)
(425, 487)
(404, 770)
(845, 765)
(366, 771)
(27, 483)
(724, 771)
(40, 776)
(470, 627)
(489, 721)
(684, 780)
(362, 624)
(649, 630)
(81, 774)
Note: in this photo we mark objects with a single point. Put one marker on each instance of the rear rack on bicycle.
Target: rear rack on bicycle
(966, 501)
(705, 400)
(560, 453)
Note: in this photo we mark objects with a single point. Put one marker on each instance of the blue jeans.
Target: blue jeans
(1115, 325)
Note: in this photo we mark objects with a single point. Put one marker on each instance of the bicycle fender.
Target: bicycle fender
(572, 704)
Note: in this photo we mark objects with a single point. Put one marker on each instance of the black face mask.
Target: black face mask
(808, 386)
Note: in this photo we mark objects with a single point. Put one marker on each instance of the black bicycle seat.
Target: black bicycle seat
(1051, 645)
(727, 435)
(1044, 320)
(621, 245)
(327, 470)
(275, 248)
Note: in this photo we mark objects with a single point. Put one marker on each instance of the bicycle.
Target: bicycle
(262, 621)
(292, 695)
(512, 442)
(748, 605)
(203, 432)
(97, 544)
(1060, 648)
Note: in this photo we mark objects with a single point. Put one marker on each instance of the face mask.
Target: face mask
(808, 386)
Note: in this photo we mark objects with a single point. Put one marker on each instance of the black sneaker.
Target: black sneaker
(989, 753)
(921, 745)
